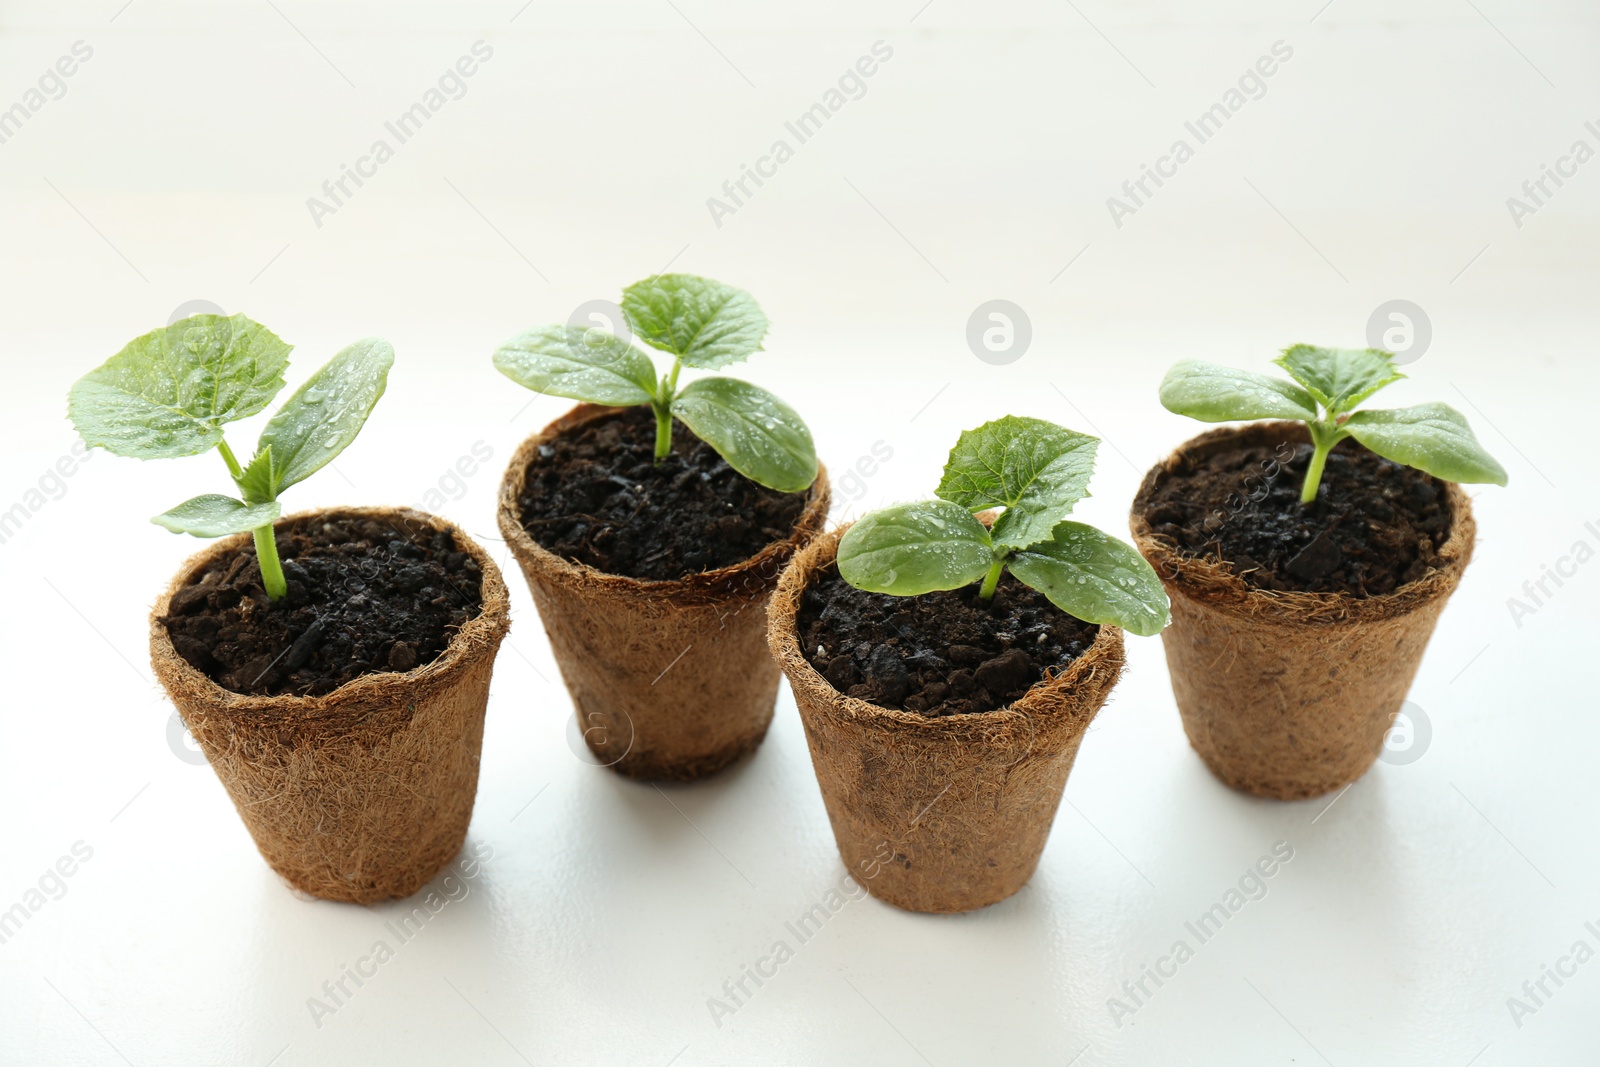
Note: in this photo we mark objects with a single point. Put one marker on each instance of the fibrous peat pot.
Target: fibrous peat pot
(1288, 694)
(940, 814)
(669, 679)
(364, 793)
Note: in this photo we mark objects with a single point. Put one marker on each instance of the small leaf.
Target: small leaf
(213, 515)
(258, 482)
(703, 322)
(326, 413)
(1034, 469)
(1211, 393)
(1093, 576)
(167, 394)
(915, 548)
(580, 364)
(759, 435)
(1434, 438)
(1340, 378)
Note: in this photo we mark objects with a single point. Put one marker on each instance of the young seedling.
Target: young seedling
(1433, 438)
(168, 394)
(1036, 471)
(702, 324)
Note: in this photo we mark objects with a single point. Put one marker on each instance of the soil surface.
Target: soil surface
(596, 496)
(945, 653)
(1374, 526)
(364, 596)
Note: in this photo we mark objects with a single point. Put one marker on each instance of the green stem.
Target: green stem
(662, 405)
(228, 458)
(266, 544)
(271, 568)
(1322, 441)
(991, 580)
(663, 431)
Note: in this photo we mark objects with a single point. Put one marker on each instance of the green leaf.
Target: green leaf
(257, 482)
(326, 413)
(578, 363)
(759, 435)
(915, 548)
(1340, 378)
(1034, 469)
(1430, 437)
(167, 394)
(1093, 576)
(212, 515)
(703, 322)
(1211, 393)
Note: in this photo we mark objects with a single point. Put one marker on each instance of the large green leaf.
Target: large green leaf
(1430, 437)
(578, 363)
(212, 515)
(915, 548)
(1093, 576)
(759, 435)
(326, 413)
(1211, 393)
(1034, 469)
(703, 322)
(1340, 378)
(168, 393)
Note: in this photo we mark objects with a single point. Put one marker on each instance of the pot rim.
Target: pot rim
(783, 635)
(368, 691)
(1213, 584)
(720, 584)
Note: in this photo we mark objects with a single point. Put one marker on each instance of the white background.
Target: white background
(976, 166)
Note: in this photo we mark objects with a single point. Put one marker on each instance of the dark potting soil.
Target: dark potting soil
(945, 653)
(595, 495)
(364, 596)
(1374, 526)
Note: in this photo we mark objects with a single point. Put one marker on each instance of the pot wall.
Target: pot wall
(1290, 695)
(669, 679)
(945, 814)
(364, 793)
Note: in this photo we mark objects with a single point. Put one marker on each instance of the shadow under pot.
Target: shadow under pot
(939, 814)
(1285, 693)
(362, 792)
(670, 678)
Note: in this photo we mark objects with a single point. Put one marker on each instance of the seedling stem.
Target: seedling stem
(992, 579)
(271, 568)
(1323, 438)
(663, 409)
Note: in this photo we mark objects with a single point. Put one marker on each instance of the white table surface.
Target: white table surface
(176, 167)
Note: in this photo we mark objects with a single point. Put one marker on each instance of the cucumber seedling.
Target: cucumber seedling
(168, 394)
(1036, 471)
(702, 324)
(1328, 384)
